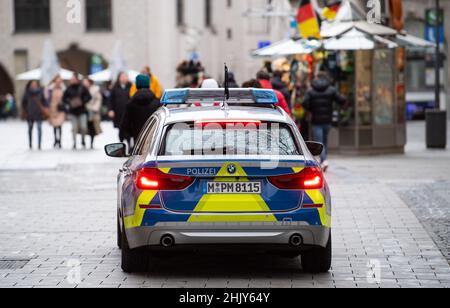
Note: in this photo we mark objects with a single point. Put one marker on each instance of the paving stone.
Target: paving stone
(381, 224)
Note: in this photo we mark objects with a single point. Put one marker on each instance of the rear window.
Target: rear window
(220, 139)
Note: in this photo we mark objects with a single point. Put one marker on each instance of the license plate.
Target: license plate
(228, 188)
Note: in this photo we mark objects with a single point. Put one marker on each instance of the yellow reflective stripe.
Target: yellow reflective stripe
(136, 220)
(298, 169)
(317, 197)
(165, 170)
(211, 203)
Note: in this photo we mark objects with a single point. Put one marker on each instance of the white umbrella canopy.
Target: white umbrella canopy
(407, 40)
(36, 74)
(107, 75)
(50, 63)
(357, 40)
(287, 47)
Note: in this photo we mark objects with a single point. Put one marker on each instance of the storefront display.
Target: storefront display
(384, 81)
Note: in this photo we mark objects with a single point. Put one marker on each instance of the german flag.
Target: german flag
(308, 24)
(330, 12)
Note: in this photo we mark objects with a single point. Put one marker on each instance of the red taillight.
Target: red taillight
(154, 179)
(308, 178)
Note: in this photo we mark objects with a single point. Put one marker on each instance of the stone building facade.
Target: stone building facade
(152, 32)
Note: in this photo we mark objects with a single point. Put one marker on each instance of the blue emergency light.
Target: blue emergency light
(237, 96)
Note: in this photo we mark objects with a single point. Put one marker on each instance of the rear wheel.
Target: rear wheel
(119, 233)
(133, 261)
(318, 260)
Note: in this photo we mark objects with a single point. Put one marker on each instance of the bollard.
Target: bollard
(436, 126)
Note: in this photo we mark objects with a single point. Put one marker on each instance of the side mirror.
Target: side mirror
(116, 150)
(315, 148)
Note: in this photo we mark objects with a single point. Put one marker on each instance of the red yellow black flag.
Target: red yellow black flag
(308, 23)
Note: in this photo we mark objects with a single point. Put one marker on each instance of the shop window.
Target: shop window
(180, 13)
(98, 15)
(32, 16)
(384, 86)
(208, 13)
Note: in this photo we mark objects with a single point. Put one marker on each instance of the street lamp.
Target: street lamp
(436, 120)
(438, 58)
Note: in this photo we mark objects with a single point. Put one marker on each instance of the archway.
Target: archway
(80, 60)
(6, 83)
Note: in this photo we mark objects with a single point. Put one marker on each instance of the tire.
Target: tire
(119, 233)
(133, 261)
(318, 260)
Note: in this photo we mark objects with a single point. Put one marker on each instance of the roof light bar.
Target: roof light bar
(237, 96)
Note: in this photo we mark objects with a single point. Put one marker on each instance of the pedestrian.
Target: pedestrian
(319, 101)
(118, 101)
(3, 114)
(141, 107)
(94, 107)
(75, 99)
(252, 83)
(35, 111)
(154, 86)
(232, 81)
(264, 79)
(57, 115)
(280, 85)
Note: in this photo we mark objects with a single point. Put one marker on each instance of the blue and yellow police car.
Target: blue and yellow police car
(231, 172)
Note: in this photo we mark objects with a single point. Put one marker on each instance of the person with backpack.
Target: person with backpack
(319, 101)
(75, 99)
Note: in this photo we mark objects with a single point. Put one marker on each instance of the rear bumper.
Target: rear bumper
(204, 234)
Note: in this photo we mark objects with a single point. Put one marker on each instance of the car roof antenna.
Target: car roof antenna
(227, 89)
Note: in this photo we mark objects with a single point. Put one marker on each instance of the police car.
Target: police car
(236, 174)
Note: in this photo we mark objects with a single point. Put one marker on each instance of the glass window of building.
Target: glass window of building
(98, 15)
(180, 13)
(32, 16)
(208, 13)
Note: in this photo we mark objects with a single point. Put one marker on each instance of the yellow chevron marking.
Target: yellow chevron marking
(165, 170)
(212, 203)
(318, 198)
(298, 169)
(136, 220)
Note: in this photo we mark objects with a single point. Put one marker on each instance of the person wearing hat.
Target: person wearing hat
(141, 107)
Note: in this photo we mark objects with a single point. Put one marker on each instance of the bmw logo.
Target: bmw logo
(231, 169)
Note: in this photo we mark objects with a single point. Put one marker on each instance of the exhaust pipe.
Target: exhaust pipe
(167, 241)
(296, 240)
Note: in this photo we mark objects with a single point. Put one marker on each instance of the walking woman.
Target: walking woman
(57, 115)
(94, 107)
(120, 96)
(75, 99)
(35, 110)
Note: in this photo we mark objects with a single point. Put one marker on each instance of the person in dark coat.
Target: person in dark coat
(75, 99)
(280, 85)
(319, 101)
(118, 101)
(33, 104)
(232, 81)
(141, 107)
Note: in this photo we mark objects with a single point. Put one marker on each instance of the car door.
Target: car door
(139, 156)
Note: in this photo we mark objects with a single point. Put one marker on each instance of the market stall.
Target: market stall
(366, 62)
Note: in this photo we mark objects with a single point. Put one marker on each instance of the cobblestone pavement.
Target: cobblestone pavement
(58, 220)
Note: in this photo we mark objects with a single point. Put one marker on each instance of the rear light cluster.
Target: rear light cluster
(154, 179)
(308, 178)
